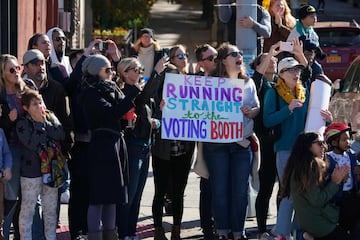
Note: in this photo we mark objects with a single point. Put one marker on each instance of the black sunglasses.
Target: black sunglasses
(109, 70)
(182, 56)
(58, 39)
(14, 69)
(234, 54)
(138, 70)
(320, 143)
(209, 58)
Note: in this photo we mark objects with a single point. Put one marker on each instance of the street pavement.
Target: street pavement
(182, 24)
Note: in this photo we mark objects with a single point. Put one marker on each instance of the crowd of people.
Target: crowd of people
(86, 127)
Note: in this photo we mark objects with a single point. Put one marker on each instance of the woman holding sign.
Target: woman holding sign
(229, 164)
(171, 161)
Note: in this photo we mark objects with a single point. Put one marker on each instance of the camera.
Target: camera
(165, 52)
(286, 46)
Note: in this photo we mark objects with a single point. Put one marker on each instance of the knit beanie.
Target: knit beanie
(93, 64)
(147, 31)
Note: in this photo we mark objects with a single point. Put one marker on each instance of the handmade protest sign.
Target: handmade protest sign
(202, 108)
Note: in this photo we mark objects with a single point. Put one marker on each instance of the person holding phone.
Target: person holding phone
(171, 160)
(103, 104)
(138, 137)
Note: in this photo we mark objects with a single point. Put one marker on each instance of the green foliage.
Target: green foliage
(121, 13)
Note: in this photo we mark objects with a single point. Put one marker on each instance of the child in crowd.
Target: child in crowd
(5, 173)
(347, 198)
(39, 131)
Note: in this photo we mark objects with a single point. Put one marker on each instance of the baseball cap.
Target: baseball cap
(288, 62)
(306, 10)
(33, 56)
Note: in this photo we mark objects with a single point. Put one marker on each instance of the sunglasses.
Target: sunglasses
(182, 56)
(209, 58)
(109, 70)
(138, 70)
(14, 69)
(320, 143)
(234, 54)
(58, 39)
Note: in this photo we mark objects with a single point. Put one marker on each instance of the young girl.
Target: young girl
(305, 181)
(37, 130)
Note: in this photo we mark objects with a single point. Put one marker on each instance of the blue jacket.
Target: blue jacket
(5, 154)
(332, 164)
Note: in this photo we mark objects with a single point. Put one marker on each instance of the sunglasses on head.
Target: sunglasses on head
(182, 56)
(58, 39)
(138, 69)
(234, 54)
(14, 69)
(209, 58)
(109, 70)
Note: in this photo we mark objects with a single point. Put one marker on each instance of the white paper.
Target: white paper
(320, 93)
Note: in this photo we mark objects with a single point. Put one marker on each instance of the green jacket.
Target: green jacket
(313, 211)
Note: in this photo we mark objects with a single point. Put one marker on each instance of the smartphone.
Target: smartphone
(165, 52)
(286, 46)
(102, 46)
(105, 46)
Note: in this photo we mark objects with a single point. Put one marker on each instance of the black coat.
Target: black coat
(104, 105)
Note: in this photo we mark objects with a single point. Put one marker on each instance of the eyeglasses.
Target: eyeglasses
(209, 58)
(138, 70)
(234, 54)
(182, 56)
(109, 70)
(320, 143)
(293, 70)
(14, 69)
(58, 39)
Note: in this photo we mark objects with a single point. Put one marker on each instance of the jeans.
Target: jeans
(14, 182)
(285, 213)
(127, 214)
(229, 167)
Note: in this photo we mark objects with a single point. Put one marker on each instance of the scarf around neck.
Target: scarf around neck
(286, 94)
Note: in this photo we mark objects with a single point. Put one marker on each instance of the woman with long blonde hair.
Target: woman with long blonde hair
(281, 23)
(11, 88)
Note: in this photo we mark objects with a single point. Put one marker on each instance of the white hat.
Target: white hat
(288, 62)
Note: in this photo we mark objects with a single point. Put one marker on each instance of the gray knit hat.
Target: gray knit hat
(93, 64)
